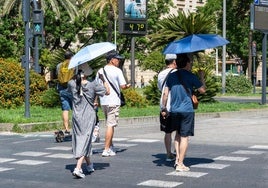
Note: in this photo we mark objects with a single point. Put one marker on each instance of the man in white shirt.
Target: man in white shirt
(111, 103)
(171, 66)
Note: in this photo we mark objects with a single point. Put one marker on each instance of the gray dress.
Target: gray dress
(84, 116)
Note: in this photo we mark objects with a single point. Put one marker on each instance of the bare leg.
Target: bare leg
(183, 149)
(109, 137)
(177, 146)
(87, 159)
(65, 119)
(80, 162)
(167, 141)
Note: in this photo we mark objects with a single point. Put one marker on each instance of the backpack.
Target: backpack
(65, 74)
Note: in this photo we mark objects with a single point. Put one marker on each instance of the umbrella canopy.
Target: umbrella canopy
(91, 52)
(194, 43)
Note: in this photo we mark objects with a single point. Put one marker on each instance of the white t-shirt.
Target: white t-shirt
(116, 77)
(161, 78)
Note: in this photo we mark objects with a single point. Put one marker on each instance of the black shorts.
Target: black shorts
(183, 122)
(165, 124)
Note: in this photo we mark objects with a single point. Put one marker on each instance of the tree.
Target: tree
(68, 5)
(237, 28)
(178, 26)
(102, 5)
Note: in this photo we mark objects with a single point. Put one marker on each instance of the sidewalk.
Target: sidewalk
(148, 120)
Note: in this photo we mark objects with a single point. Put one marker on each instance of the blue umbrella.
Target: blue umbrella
(194, 43)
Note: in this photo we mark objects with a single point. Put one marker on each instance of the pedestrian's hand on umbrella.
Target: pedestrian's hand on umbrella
(101, 77)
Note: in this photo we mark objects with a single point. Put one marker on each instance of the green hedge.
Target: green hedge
(12, 92)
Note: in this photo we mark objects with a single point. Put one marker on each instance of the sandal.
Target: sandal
(182, 168)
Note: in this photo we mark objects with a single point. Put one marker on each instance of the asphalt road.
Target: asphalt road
(228, 150)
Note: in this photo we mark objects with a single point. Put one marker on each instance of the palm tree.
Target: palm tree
(68, 5)
(101, 5)
(178, 26)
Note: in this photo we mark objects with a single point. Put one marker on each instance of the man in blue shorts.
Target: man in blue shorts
(180, 85)
(65, 96)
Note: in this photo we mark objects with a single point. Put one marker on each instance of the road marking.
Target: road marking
(187, 174)
(143, 140)
(31, 153)
(227, 158)
(61, 155)
(24, 141)
(248, 152)
(210, 166)
(3, 160)
(158, 183)
(5, 169)
(62, 148)
(120, 139)
(124, 145)
(259, 147)
(30, 162)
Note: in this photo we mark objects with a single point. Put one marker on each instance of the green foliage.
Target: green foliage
(175, 27)
(11, 37)
(134, 99)
(153, 61)
(16, 128)
(204, 65)
(50, 98)
(13, 87)
(238, 84)
(152, 92)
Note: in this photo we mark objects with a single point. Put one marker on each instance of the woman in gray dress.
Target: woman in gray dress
(84, 93)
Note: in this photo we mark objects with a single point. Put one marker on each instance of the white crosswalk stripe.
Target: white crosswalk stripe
(259, 147)
(30, 162)
(31, 153)
(61, 155)
(119, 139)
(4, 160)
(230, 158)
(248, 152)
(211, 166)
(5, 169)
(187, 174)
(158, 183)
(62, 148)
(144, 140)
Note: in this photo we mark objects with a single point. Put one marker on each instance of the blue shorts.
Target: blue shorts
(66, 100)
(183, 122)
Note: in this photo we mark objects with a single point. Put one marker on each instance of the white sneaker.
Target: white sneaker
(78, 173)
(90, 168)
(108, 153)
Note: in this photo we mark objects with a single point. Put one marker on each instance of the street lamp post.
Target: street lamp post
(224, 48)
(254, 53)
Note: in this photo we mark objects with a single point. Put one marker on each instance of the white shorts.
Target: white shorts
(111, 114)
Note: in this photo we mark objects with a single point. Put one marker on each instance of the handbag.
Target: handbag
(194, 101)
(120, 95)
(122, 99)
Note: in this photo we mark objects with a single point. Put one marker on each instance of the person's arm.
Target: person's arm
(201, 89)
(125, 86)
(105, 84)
(164, 102)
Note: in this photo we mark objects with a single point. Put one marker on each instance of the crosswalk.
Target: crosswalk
(215, 165)
(36, 158)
